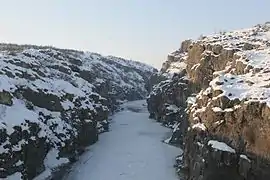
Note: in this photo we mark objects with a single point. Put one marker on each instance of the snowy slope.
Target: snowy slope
(55, 99)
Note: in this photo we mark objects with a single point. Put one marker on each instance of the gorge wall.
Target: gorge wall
(216, 97)
(55, 102)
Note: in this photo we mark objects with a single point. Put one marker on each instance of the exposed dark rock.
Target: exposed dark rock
(6, 98)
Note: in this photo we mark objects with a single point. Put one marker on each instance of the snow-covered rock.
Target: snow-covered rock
(56, 101)
(222, 81)
(220, 146)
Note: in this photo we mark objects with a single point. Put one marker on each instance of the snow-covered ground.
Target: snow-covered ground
(132, 150)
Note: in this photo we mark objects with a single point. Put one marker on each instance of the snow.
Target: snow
(167, 141)
(229, 110)
(176, 67)
(245, 157)
(207, 91)
(203, 109)
(9, 115)
(51, 162)
(199, 126)
(220, 146)
(67, 105)
(136, 64)
(236, 38)
(172, 108)
(240, 87)
(62, 127)
(176, 126)
(98, 80)
(252, 82)
(15, 176)
(6, 83)
(219, 122)
(132, 150)
(237, 106)
(217, 109)
(179, 158)
(195, 66)
(18, 147)
(256, 58)
(191, 100)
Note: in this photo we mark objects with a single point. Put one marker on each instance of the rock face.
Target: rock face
(54, 102)
(219, 89)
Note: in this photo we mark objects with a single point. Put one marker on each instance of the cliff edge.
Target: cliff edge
(216, 97)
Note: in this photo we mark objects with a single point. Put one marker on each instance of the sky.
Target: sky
(143, 30)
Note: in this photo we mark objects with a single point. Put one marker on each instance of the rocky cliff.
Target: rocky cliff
(217, 98)
(54, 102)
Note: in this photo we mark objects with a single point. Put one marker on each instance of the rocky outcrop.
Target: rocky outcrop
(166, 103)
(224, 123)
(55, 102)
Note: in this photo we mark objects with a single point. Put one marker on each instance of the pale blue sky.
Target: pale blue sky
(144, 30)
